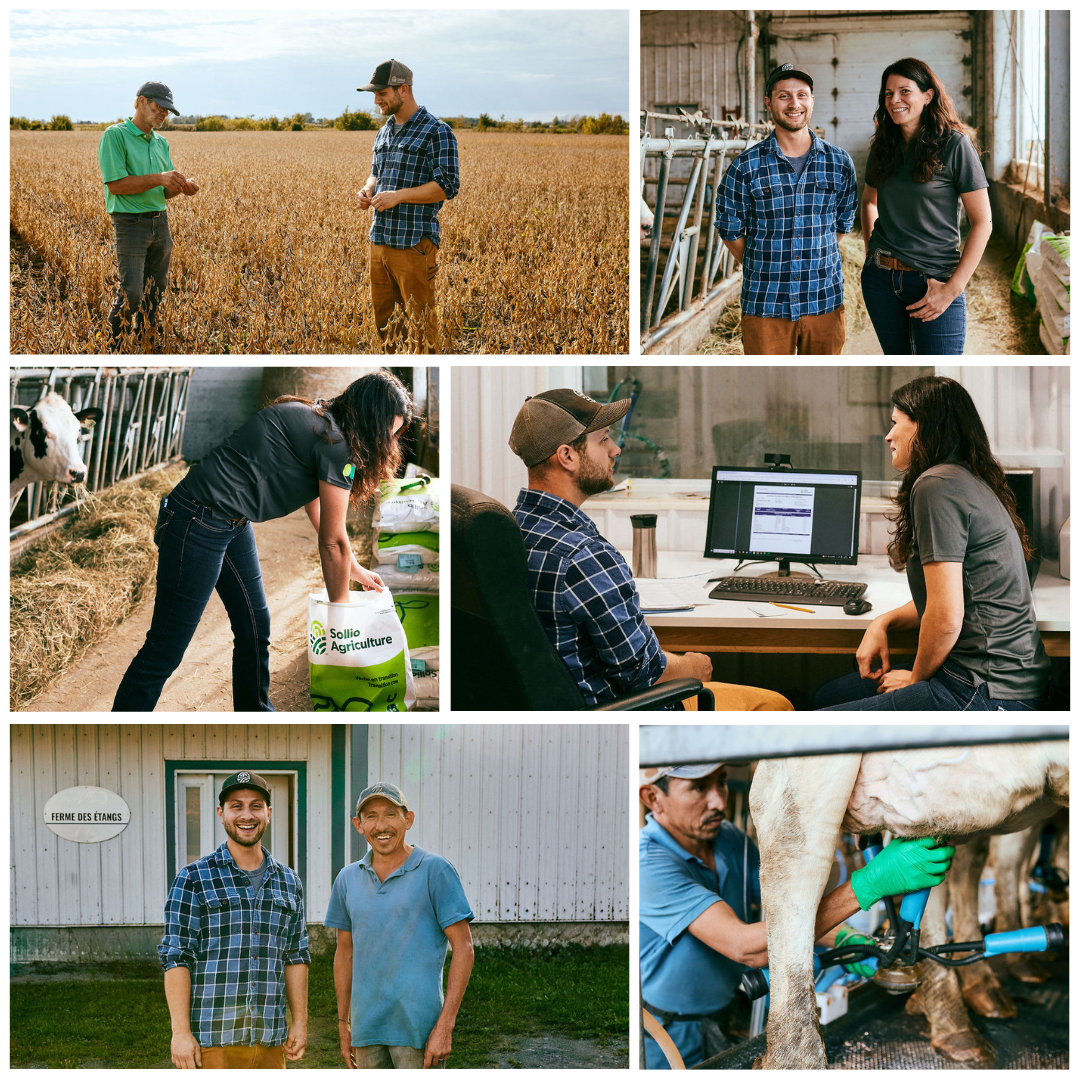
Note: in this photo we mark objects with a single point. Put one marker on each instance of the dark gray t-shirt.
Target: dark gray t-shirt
(273, 464)
(919, 224)
(957, 518)
(256, 876)
(798, 163)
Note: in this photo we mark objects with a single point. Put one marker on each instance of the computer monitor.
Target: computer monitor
(805, 515)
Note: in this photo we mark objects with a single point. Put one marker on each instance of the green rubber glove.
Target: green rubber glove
(904, 866)
(846, 935)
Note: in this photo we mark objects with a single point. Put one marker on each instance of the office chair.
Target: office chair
(500, 657)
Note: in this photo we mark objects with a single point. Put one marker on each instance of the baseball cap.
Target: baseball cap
(681, 772)
(382, 791)
(389, 73)
(786, 71)
(546, 421)
(159, 92)
(240, 779)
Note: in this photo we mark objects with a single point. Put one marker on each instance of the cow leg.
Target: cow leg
(939, 999)
(981, 988)
(797, 805)
(1012, 854)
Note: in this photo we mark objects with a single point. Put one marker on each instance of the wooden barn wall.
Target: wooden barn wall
(534, 817)
(120, 882)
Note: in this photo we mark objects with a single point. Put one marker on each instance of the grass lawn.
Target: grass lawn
(119, 1019)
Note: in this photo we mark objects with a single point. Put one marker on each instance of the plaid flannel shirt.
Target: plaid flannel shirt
(791, 266)
(586, 599)
(406, 156)
(236, 947)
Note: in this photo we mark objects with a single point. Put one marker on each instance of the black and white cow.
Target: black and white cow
(45, 443)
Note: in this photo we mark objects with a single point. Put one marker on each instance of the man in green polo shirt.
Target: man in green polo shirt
(139, 177)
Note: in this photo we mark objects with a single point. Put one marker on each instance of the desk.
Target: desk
(730, 626)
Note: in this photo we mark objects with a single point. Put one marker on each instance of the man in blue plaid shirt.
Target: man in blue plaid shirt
(414, 170)
(236, 946)
(781, 209)
(582, 589)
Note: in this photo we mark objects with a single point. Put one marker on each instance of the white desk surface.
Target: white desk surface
(885, 589)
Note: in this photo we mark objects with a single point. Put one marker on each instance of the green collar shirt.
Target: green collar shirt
(124, 150)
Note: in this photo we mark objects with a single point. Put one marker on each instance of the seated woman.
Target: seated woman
(958, 532)
(922, 165)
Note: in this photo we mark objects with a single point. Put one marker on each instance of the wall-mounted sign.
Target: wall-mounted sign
(87, 815)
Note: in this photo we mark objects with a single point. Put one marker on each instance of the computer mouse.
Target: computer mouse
(857, 607)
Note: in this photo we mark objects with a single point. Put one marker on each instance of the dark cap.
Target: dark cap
(382, 791)
(786, 71)
(555, 417)
(389, 73)
(240, 779)
(159, 92)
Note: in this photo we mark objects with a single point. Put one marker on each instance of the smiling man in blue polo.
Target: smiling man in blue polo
(781, 209)
(396, 912)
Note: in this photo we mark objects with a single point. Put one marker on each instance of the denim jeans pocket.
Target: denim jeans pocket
(165, 515)
(218, 526)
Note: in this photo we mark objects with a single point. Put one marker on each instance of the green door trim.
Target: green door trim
(359, 732)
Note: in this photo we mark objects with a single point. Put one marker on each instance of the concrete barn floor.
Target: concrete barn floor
(203, 682)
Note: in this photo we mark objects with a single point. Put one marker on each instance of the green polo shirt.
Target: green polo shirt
(125, 151)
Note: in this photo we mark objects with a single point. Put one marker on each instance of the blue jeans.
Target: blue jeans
(887, 294)
(200, 551)
(143, 253)
(952, 689)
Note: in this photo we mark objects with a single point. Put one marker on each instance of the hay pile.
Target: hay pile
(70, 590)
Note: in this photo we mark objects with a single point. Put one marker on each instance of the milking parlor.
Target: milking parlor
(940, 157)
(856, 897)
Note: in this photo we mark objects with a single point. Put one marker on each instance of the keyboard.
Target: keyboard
(788, 590)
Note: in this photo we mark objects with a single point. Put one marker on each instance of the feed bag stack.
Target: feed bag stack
(1046, 268)
(407, 526)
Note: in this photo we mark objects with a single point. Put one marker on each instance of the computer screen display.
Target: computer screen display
(810, 515)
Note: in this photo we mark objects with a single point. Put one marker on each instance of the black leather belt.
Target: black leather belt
(667, 1018)
(147, 214)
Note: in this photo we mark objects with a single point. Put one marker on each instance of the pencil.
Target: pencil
(792, 607)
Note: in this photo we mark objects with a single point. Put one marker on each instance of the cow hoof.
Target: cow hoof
(759, 1062)
(1028, 969)
(989, 999)
(965, 1048)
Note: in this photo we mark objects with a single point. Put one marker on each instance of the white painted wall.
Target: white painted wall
(534, 817)
(56, 882)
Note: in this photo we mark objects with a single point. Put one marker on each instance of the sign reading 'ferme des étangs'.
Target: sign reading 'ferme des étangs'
(87, 815)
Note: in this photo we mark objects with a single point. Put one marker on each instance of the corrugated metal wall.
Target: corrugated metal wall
(534, 817)
(56, 882)
(689, 57)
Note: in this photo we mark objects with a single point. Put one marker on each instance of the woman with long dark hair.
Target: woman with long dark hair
(321, 455)
(923, 165)
(965, 549)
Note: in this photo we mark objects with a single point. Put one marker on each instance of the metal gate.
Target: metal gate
(143, 425)
(707, 144)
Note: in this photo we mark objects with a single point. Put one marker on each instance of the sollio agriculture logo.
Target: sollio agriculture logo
(318, 638)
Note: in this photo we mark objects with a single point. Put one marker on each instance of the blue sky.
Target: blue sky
(529, 64)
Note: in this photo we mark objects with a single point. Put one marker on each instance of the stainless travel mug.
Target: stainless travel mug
(644, 557)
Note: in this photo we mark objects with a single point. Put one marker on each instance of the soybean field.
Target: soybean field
(271, 256)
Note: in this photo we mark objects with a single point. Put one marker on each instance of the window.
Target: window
(1029, 92)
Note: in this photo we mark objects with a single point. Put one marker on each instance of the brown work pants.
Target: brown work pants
(731, 697)
(243, 1057)
(812, 335)
(405, 278)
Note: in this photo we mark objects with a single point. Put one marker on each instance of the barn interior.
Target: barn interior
(862, 1023)
(702, 85)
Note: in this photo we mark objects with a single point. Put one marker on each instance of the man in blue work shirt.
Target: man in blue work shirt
(235, 946)
(139, 176)
(698, 882)
(414, 170)
(396, 911)
(781, 209)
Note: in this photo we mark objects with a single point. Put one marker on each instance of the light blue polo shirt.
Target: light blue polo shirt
(399, 947)
(679, 973)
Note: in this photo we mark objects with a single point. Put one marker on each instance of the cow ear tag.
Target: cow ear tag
(349, 471)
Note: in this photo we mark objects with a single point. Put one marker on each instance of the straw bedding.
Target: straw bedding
(79, 583)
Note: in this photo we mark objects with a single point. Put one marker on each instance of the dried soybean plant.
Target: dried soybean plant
(272, 255)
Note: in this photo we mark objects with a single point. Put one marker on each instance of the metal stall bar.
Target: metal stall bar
(658, 228)
(700, 743)
(675, 269)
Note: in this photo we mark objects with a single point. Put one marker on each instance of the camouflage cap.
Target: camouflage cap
(389, 73)
(557, 417)
(382, 791)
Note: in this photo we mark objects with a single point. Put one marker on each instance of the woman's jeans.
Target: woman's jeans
(200, 551)
(952, 689)
(887, 294)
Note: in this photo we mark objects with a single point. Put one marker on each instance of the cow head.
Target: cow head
(45, 442)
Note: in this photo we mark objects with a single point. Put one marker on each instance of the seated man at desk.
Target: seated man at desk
(582, 589)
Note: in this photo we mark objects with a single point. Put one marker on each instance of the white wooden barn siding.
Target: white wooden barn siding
(122, 881)
(534, 817)
(689, 56)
